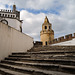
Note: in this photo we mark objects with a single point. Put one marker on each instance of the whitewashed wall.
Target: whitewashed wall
(11, 40)
(14, 23)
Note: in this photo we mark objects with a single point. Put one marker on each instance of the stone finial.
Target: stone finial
(14, 8)
(46, 20)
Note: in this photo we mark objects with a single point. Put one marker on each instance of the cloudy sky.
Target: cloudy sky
(61, 13)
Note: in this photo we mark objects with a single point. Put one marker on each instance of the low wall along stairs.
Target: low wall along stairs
(47, 60)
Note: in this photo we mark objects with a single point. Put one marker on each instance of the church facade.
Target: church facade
(46, 34)
(11, 18)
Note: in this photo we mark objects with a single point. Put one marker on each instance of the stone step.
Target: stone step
(53, 56)
(32, 71)
(51, 61)
(20, 56)
(4, 71)
(37, 50)
(47, 66)
(67, 56)
(53, 48)
(45, 52)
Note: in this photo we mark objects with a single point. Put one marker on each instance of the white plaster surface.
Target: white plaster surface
(14, 23)
(66, 43)
(12, 40)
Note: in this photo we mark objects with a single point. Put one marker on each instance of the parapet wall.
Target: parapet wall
(3, 10)
(38, 43)
(63, 38)
(9, 14)
(12, 40)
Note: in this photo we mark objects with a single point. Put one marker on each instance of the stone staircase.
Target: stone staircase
(47, 60)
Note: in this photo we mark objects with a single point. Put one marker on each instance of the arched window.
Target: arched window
(45, 27)
(46, 43)
(4, 21)
(5, 15)
(11, 15)
(8, 15)
(49, 27)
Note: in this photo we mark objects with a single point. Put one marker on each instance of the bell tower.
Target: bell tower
(47, 34)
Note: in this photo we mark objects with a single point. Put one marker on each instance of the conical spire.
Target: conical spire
(46, 20)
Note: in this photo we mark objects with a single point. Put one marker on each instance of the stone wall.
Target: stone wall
(63, 39)
(12, 40)
(38, 43)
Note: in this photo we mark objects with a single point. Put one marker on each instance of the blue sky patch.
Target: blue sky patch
(41, 11)
(6, 5)
(54, 10)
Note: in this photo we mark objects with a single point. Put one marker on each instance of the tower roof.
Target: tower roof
(46, 20)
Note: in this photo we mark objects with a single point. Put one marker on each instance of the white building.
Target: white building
(11, 37)
(12, 18)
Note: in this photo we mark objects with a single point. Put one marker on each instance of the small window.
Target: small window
(46, 43)
(45, 27)
(8, 15)
(11, 15)
(5, 15)
(49, 27)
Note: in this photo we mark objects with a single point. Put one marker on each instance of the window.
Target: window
(11, 15)
(5, 15)
(45, 27)
(4, 21)
(8, 15)
(49, 27)
(46, 43)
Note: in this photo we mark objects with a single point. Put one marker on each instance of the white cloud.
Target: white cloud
(32, 23)
(62, 24)
(34, 4)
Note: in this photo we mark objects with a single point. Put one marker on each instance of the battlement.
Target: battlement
(63, 38)
(7, 11)
(9, 14)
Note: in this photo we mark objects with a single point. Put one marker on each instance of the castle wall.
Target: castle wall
(12, 40)
(64, 40)
(66, 43)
